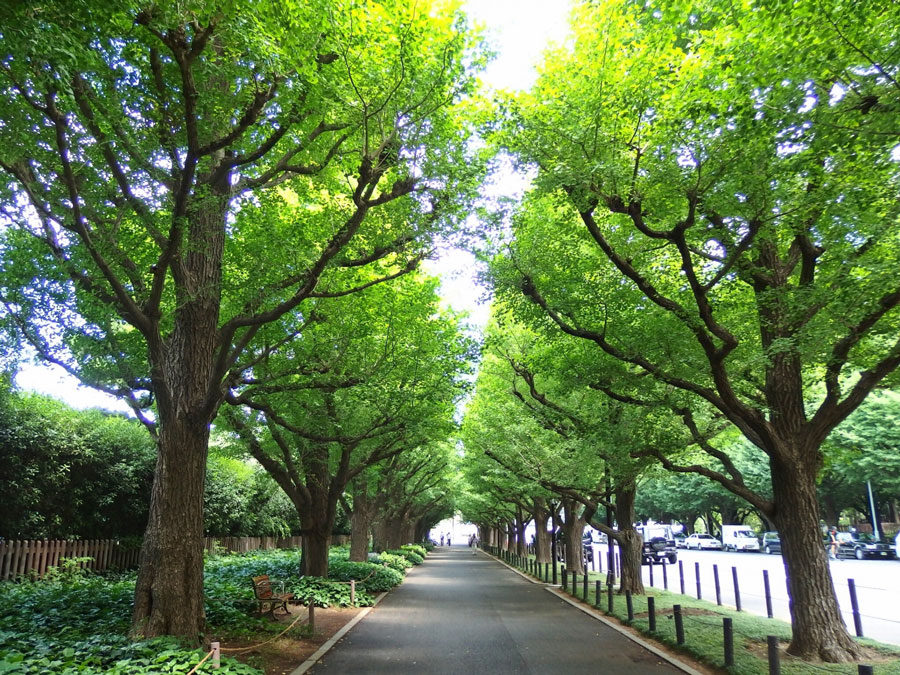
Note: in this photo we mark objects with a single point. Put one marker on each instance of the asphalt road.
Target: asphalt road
(462, 612)
(877, 586)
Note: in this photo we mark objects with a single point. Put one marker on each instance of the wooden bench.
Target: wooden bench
(264, 590)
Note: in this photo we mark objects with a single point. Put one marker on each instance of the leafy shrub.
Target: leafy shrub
(394, 561)
(77, 622)
(372, 577)
(416, 548)
(111, 654)
(411, 556)
(326, 592)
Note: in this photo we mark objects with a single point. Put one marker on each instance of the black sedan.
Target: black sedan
(861, 545)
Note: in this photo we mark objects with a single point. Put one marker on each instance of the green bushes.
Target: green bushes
(418, 549)
(76, 622)
(79, 624)
(394, 561)
(374, 578)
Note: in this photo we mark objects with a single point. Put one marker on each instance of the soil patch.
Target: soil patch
(283, 654)
(869, 656)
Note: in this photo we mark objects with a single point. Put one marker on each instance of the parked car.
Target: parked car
(680, 539)
(739, 538)
(860, 545)
(771, 542)
(703, 541)
(658, 544)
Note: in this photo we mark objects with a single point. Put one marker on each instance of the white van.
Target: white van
(739, 538)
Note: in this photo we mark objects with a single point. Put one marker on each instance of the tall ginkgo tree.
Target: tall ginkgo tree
(715, 211)
(176, 176)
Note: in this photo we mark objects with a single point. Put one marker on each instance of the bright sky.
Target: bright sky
(518, 31)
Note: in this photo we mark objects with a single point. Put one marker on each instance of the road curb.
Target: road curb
(325, 648)
(616, 627)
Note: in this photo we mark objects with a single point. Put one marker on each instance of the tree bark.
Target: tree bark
(817, 627)
(628, 539)
(168, 596)
(541, 515)
(573, 529)
(521, 523)
(360, 521)
(169, 589)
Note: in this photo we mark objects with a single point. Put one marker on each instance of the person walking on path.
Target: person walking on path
(465, 613)
(834, 543)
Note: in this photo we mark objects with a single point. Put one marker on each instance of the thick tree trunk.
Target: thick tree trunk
(169, 588)
(573, 529)
(541, 515)
(630, 546)
(629, 541)
(360, 522)
(521, 544)
(168, 598)
(317, 527)
(818, 631)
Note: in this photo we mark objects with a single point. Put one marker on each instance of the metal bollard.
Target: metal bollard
(679, 624)
(565, 579)
(665, 577)
(737, 589)
(774, 655)
(728, 640)
(854, 604)
(681, 574)
(630, 605)
(651, 612)
(697, 575)
(768, 593)
(718, 589)
(597, 591)
(651, 573)
(585, 588)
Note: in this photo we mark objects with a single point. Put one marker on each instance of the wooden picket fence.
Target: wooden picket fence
(32, 558)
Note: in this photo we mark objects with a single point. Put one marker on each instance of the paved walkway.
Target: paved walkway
(463, 612)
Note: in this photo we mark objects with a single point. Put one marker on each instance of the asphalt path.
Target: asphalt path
(464, 612)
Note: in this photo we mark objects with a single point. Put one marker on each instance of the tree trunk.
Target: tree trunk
(168, 596)
(316, 535)
(521, 544)
(628, 539)
(630, 546)
(573, 528)
(169, 589)
(360, 521)
(818, 631)
(541, 515)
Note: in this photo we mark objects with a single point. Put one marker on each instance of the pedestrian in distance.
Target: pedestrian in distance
(834, 543)
(442, 540)
(448, 539)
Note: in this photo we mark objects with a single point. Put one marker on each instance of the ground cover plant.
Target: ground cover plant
(76, 622)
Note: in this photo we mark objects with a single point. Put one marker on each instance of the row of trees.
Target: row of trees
(714, 228)
(193, 196)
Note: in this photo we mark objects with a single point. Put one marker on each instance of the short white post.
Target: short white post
(216, 657)
(353, 592)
